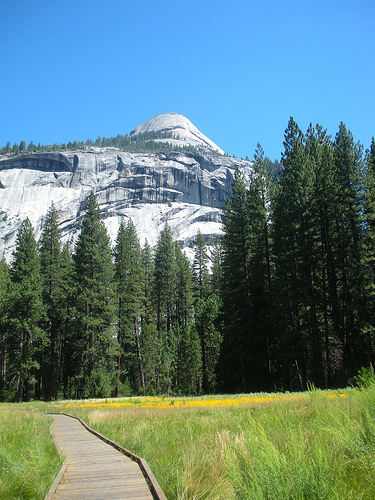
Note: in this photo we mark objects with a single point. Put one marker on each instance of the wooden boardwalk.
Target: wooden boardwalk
(94, 469)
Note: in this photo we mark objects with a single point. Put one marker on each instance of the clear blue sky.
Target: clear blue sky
(72, 70)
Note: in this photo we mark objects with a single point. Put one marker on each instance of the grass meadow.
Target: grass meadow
(28, 459)
(314, 445)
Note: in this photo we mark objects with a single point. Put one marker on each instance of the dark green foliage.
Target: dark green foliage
(4, 326)
(130, 279)
(56, 271)
(151, 346)
(236, 286)
(320, 254)
(217, 275)
(200, 267)
(165, 281)
(184, 288)
(208, 329)
(148, 265)
(247, 302)
(26, 309)
(94, 299)
(294, 252)
(365, 377)
(190, 372)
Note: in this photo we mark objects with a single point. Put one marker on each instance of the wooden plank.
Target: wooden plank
(95, 470)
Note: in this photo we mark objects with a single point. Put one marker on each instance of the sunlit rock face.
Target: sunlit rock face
(186, 190)
(184, 132)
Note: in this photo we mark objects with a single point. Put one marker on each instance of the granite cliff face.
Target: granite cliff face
(184, 189)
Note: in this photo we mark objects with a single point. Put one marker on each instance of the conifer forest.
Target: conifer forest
(285, 299)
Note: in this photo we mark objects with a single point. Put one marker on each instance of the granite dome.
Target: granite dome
(185, 133)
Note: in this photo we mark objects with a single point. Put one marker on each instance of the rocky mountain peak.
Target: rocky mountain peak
(184, 132)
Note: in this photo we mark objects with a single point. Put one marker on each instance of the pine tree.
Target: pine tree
(206, 317)
(148, 265)
(349, 221)
(66, 301)
(200, 267)
(131, 299)
(94, 271)
(164, 284)
(26, 312)
(4, 327)
(369, 239)
(236, 288)
(190, 361)
(217, 277)
(55, 298)
(165, 298)
(261, 327)
(151, 346)
(184, 288)
(188, 376)
(325, 364)
(293, 235)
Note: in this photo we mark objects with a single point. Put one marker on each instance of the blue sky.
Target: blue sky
(72, 70)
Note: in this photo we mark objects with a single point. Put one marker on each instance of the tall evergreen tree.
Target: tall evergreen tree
(294, 247)
(26, 311)
(65, 299)
(188, 350)
(324, 327)
(200, 267)
(4, 327)
(210, 336)
(165, 297)
(131, 300)
(189, 361)
(369, 239)
(165, 278)
(56, 278)
(349, 222)
(94, 271)
(148, 265)
(206, 314)
(217, 277)
(261, 327)
(236, 288)
(247, 304)
(184, 288)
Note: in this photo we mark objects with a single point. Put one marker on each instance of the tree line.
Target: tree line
(144, 142)
(105, 322)
(288, 300)
(298, 266)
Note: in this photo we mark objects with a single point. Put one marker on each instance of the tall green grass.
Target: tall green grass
(315, 452)
(28, 459)
(313, 447)
(318, 445)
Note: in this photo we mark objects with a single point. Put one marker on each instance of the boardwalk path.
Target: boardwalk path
(95, 470)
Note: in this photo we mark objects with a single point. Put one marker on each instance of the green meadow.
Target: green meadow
(29, 461)
(314, 445)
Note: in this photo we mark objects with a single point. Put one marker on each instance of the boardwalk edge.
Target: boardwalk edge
(55, 484)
